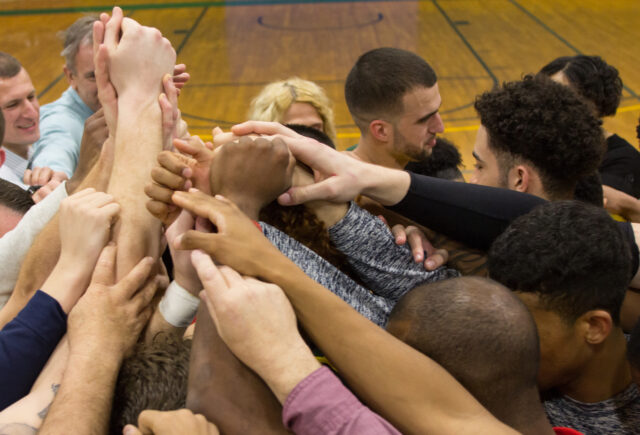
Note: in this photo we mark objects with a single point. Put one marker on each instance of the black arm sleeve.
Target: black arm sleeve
(472, 214)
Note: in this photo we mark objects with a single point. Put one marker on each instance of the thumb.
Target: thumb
(301, 194)
(196, 240)
(132, 430)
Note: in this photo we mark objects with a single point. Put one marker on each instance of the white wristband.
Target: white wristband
(178, 306)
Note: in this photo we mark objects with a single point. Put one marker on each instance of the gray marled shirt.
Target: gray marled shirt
(618, 415)
(387, 268)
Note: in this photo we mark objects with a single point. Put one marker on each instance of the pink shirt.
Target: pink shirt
(321, 404)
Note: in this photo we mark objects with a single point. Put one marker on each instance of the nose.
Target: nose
(31, 109)
(437, 125)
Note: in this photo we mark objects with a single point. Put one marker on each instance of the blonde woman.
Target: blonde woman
(295, 101)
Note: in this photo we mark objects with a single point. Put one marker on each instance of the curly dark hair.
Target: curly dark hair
(154, 377)
(546, 124)
(571, 254)
(444, 162)
(593, 78)
(589, 190)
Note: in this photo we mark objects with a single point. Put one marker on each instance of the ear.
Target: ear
(69, 75)
(519, 178)
(597, 325)
(381, 130)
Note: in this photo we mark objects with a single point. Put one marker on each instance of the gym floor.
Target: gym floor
(233, 48)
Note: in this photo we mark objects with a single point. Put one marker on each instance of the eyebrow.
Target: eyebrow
(475, 156)
(429, 115)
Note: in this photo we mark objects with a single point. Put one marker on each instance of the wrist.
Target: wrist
(65, 285)
(296, 365)
(385, 185)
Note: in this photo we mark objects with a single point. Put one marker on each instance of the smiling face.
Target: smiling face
(20, 109)
(415, 129)
(83, 79)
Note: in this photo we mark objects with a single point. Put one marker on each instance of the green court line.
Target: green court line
(183, 5)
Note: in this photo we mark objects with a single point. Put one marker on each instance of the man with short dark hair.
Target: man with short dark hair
(536, 136)
(62, 121)
(21, 110)
(569, 263)
(496, 360)
(393, 97)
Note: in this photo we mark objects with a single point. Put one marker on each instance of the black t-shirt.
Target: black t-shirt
(620, 167)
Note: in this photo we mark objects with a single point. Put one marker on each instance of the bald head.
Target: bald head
(479, 332)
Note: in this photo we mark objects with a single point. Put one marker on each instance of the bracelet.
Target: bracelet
(178, 306)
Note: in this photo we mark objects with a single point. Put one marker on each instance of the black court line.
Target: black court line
(559, 38)
(373, 22)
(191, 30)
(466, 42)
(50, 85)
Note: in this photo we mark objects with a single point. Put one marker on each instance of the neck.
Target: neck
(605, 375)
(524, 412)
(371, 151)
(21, 150)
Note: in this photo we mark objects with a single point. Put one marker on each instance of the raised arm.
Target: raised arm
(422, 399)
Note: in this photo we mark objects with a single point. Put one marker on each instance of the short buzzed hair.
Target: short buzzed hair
(379, 80)
(9, 66)
(478, 331)
(79, 33)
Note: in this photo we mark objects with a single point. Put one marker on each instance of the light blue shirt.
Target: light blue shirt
(61, 128)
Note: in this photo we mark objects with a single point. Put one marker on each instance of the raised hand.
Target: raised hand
(251, 172)
(235, 234)
(257, 322)
(111, 315)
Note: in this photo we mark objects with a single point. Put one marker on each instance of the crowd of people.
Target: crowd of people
(264, 282)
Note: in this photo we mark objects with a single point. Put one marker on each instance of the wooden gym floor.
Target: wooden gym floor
(233, 48)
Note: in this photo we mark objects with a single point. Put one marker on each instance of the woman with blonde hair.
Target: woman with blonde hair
(295, 101)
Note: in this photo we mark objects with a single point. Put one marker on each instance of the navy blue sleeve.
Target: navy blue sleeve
(26, 343)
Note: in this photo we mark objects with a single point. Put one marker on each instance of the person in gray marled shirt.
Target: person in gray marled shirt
(385, 267)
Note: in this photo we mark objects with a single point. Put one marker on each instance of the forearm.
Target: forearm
(30, 411)
(44, 251)
(138, 141)
(385, 185)
(83, 403)
(321, 401)
(234, 397)
(404, 386)
(472, 214)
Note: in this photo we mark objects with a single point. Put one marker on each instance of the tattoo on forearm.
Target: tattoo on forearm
(42, 414)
